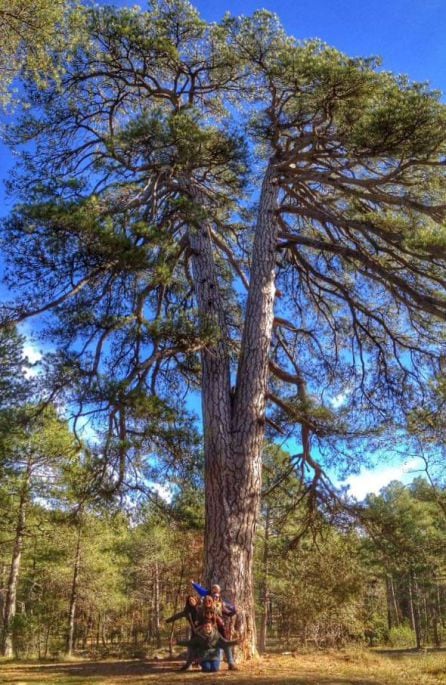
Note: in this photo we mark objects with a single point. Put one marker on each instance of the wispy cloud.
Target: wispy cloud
(372, 480)
(339, 399)
(164, 491)
(33, 355)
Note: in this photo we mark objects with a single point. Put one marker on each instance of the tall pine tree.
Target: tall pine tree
(220, 206)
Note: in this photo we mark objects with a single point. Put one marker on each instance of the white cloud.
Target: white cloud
(85, 430)
(339, 399)
(33, 355)
(372, 480)
(164, 491)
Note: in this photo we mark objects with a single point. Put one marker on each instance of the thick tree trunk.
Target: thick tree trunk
(73, 595)
(234, 423)
(11, 592)
(248, 426)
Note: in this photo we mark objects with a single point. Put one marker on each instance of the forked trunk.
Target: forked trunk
(234, 423)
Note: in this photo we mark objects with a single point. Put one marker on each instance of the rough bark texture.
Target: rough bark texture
(234, 423)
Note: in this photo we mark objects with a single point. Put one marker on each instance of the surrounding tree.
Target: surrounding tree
(326, 586)
(34, 446)
(406, 537)
(14, 387)
(224, 208)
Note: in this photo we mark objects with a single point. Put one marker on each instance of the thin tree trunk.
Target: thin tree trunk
(133, 630)
(416, 603)
(439, 609)
(414, 614)
(98, 630)
(175, 609)
(426, 618)
(11, 592)
(157, 606)
(393, 614)
(103, 635)
(394, 602)
(389, 604)
(3, 579)
(47, 641)
(87, 631)
(264, 595)
(437, 617)
(73, 594)
(39, 640)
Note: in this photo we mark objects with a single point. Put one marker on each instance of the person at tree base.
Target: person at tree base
(211, 661)
(226, 611)
(205, 637)
(190, 612)
(211, 630)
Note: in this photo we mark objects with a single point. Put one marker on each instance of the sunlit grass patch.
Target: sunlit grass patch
(346, 667)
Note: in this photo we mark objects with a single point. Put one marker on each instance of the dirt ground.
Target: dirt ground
(358, 667)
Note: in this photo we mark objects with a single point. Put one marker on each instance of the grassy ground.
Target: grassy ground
(359, 667)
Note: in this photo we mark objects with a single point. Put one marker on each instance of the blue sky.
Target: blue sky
(409, 35)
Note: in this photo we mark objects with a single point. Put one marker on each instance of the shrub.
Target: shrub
(402, 636)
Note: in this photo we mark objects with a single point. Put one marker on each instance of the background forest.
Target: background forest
(307, 308)
(99, 575)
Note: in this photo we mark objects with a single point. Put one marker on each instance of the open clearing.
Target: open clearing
(352, 667)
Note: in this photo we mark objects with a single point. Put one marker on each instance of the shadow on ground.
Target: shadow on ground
(413, 651)
(158, 672)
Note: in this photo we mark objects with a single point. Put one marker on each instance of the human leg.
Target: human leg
(227, 649)
(189, 661)
(215, 665)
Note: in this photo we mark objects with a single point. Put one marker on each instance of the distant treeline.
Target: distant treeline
(104, 582)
